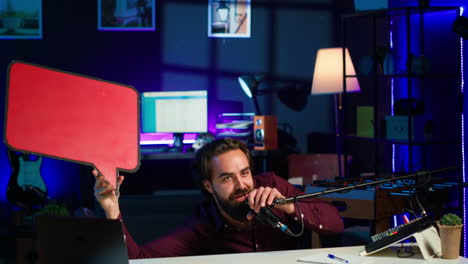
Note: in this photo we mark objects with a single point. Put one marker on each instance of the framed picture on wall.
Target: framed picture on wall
(126, 14)
(229, 18)
(20, 19)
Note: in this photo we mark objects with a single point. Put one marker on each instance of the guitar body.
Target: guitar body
(26, 187)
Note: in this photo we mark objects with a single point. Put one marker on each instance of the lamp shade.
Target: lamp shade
(249, 83)
(328, 73)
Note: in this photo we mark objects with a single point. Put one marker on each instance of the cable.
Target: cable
(288, 231)
(405, 252)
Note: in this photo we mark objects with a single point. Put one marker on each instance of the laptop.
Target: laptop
(80, 240)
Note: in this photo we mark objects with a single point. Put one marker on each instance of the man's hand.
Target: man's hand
(264, 196)
(107, 195)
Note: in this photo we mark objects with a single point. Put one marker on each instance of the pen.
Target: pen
(337, 258)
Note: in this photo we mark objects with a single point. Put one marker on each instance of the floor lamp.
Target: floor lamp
(329, 79)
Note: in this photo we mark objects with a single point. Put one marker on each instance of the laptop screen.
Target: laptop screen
(79, 240)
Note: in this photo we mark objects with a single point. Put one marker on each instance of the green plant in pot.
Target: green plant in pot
(450, 220)
(54, 210)
(450, 227)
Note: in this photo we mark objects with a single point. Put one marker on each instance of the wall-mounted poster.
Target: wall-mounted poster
(126, 14)
(20, 19)
(229, 18)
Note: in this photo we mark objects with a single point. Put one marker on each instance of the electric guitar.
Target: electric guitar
(26, 187)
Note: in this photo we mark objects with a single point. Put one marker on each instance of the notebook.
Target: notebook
(80, 240)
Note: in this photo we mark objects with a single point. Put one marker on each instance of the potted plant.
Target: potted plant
(53, 209)
(450, 227)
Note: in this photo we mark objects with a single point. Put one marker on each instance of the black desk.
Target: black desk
(173, 170)
(146, 155)
(260, 158)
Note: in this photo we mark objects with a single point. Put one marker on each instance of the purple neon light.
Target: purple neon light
(124, 29)
(164, 138)
(392, 101)
(392, 95)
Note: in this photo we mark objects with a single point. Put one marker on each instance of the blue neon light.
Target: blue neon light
(462, 85)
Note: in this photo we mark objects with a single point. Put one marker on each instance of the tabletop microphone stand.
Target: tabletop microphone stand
(426, 237)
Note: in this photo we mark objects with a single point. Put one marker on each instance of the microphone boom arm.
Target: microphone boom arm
(310, 195)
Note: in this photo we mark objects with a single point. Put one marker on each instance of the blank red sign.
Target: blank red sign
(72, 117)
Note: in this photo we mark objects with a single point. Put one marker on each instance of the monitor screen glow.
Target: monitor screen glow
(174, 112)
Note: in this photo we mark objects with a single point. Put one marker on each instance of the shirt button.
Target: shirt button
(297, 219)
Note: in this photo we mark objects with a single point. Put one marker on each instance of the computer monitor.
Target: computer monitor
(176, 112)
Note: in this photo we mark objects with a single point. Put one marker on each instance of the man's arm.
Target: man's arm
(185, 241)
(318, 215)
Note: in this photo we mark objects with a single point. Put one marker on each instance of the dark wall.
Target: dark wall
(178, 55)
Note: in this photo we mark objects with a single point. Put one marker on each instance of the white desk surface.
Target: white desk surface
(387, 256)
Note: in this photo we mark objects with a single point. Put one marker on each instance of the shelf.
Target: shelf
(440, 75)
(167, 155)
(402, 11)
(176, 155)
(405, 31)
(397, 142)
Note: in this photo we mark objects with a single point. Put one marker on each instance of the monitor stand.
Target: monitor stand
(178, 143)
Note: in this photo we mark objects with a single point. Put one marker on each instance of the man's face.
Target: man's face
(231, 182)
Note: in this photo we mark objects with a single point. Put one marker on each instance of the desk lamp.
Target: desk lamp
(249, 84)
(292, 94)
(329, 79)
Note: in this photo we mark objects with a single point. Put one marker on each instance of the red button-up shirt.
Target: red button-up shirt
(207, 233)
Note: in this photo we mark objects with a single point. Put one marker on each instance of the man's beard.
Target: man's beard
(236, 210)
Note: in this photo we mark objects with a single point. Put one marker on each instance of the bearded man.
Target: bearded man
(222, 224)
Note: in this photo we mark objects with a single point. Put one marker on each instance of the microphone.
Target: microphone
(266, 216)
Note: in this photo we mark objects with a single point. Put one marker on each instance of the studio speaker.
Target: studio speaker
(265, 133)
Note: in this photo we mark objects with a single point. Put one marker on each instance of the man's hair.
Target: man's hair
(202, 165)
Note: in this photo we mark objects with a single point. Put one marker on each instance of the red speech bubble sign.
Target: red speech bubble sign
(72, 117)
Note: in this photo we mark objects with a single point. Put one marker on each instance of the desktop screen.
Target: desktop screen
(174, 112)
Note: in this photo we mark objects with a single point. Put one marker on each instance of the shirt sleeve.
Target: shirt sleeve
(318, 215)
(182, 242)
